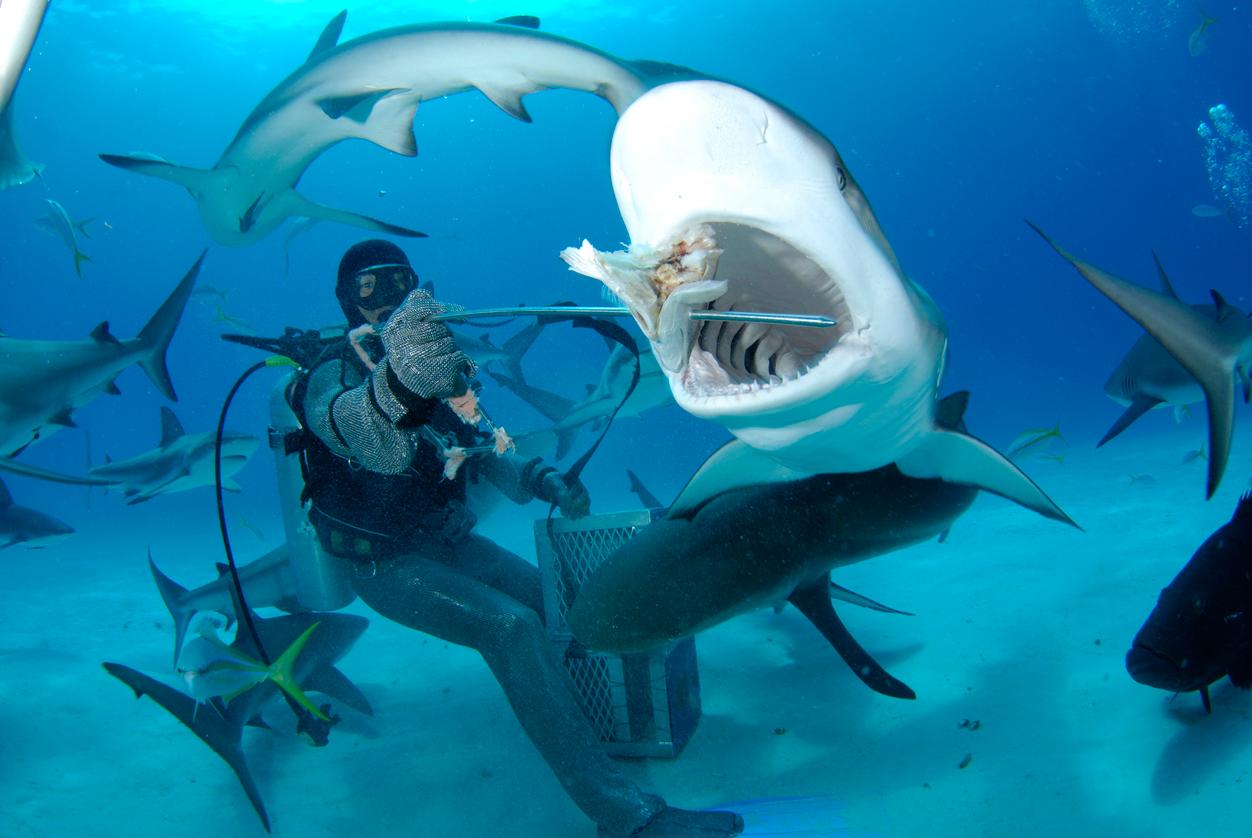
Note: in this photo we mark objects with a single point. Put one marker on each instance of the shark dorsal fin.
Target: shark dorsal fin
(950, 412)
(6, 499)
(1224, 309)
(329, 37)
(1167, 287)
(171, 428)
(101, 333)
(526, 21)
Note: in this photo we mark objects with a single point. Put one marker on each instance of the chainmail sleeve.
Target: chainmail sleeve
(355, 416)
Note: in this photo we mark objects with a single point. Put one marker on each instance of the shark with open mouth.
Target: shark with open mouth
(370, 88)
(733, 203)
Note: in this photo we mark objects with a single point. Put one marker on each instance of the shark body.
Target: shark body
(732, 202)
(568, 415)
(369, 88)
(43, 381)
(179, 462)
(1214, 348)
(716, 554)
(23, 525)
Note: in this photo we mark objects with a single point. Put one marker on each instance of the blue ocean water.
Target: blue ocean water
(959, 120)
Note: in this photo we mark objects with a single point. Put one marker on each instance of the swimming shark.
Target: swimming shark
(568, 415)
(43, 381)
(19, 26)
(369, 88)
(23, 525)
(733, 202)
(1215, 349)
(1148, 376)
(58, 223)
(483, 351)
(717, 553)
(179, 462)
(219, 723)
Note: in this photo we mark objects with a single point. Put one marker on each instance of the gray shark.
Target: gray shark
(19, 26)
(1215, 349)
(23, 525)
(180, 461)
(369, 88)
(1148, 376)
(567, 415)
(733, 202)
(219, 724)
(43, 381)
(480, 347)
(58, 223)
(716, 555)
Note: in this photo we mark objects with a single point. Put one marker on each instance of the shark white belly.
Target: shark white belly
(733, 202)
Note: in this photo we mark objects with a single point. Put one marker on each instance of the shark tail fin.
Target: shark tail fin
(156, 335)
(173, 595)
(79, 258)
(516, 347)
(220, 733)
(300, 205)
(960, 458)
(280, 672)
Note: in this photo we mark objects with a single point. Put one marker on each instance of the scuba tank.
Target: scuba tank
(323, 581)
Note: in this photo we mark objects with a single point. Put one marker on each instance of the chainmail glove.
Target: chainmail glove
(422, 354)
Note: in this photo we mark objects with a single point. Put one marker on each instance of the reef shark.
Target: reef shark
(717, 553)
(369, 88)
(1148, 376)
(219, 723)
(1214, 348)
(733, 202)
(568, 415)
(23, 525)
(180, 461)
(43, 381)
(19, 26)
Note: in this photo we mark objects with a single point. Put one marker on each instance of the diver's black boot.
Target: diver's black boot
(672, 822)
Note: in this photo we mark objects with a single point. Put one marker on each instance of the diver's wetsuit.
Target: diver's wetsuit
(464, 589)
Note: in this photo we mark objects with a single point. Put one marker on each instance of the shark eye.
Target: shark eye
(843, 178)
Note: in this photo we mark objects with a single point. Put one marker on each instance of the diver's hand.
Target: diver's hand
(453, 523)
(573, 499)
(422, 354)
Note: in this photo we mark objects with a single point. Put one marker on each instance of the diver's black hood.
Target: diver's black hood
(363, 255)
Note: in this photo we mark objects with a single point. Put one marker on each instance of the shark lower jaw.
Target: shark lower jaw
(711, 362)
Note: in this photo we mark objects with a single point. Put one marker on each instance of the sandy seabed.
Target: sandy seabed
(1021, 627)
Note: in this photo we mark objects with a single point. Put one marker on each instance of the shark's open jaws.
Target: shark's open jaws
(734, 203)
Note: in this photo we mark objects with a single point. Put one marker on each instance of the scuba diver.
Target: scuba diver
(391, 413)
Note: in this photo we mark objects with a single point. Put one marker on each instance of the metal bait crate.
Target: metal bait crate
(642, 704)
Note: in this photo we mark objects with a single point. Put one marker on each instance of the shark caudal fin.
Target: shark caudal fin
(1191, 336)
(155, 337)
(217, 729)
(959, 458)
(174, 596)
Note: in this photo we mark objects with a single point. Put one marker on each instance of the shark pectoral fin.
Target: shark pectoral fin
(204, 720)
(1219, 394)
(196, 181)
(229, 485)
(330, 681)
(813, 601)
(173, 595)
(841, 593)
(509, 99)
(1246, 381)
(300, 205)
(1141, 405)
(960, 458)
(385, 116)
(733, 466)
